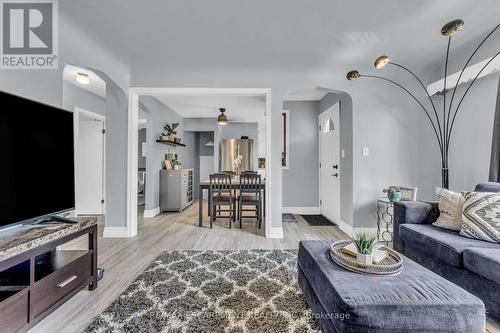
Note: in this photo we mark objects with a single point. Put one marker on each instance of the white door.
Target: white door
(329, 174)
(90, 157)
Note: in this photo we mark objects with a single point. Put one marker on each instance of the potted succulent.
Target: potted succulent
(393, 193)
(364, 243)
(169, 132)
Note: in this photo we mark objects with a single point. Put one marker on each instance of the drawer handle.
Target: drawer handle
(65, 282)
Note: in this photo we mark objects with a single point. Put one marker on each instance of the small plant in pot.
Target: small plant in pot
(393, 193)
(364, 242)
(169, 132)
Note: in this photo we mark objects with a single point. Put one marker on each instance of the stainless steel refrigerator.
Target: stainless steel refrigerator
(237, 155)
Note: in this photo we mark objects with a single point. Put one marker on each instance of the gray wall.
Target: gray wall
(470, 147)
(74, 96)
(77, 46)
(301, 179)
(141, 140)
(234, 130)
(157, 114)
(203, 138)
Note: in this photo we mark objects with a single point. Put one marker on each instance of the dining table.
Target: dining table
(235, 185)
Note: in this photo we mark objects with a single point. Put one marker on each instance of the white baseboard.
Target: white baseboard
(275, 232)
(348, 229)
(301, 210)
(149, 213)
(115, 232)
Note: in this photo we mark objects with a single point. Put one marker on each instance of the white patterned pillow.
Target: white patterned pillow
(481, 216)
(450, 209)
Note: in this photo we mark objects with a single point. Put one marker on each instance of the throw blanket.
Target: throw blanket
(495, 147)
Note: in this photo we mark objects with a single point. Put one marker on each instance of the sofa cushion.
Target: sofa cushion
(484, 262)
(446, 245)
(481, 216)
(487, 187)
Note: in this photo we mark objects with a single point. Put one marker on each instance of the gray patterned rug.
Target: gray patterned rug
(253, 291)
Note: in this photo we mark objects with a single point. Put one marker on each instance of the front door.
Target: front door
(329, 174)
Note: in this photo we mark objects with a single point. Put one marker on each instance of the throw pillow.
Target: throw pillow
(481, 216)
(450, 209)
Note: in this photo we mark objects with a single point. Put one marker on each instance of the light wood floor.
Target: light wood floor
(124, 259)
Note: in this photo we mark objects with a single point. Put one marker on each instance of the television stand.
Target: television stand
(37, 276)
(52, 219)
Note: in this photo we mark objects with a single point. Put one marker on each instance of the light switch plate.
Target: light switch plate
(342, 153)
(366, 151)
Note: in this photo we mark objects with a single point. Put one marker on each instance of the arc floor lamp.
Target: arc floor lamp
(442, 122)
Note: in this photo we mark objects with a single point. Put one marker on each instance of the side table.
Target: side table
(385, 219)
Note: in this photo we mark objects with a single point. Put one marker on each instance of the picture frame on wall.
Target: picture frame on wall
(408, 193)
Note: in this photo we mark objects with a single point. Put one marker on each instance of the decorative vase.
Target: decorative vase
(164, 137)
(177, 140)
(394, 196)
(364, 259)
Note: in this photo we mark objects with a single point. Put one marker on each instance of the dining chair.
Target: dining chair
(250, 195)
(221, 194)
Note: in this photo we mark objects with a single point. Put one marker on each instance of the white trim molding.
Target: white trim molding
(275, 232)
(115, 232)
(132, 144)
(149, 213)
(301, 210)
(347, 228)
(468, 75)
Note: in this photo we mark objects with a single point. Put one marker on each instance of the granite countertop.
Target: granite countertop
(22, 238)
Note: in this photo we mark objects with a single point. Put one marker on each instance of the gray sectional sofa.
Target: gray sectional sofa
(472, 264)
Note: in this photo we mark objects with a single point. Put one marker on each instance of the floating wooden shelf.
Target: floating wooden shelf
(171, 143)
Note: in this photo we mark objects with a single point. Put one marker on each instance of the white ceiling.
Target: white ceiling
(315, 94)
(238, 108)
(321, 36)
(96, 85)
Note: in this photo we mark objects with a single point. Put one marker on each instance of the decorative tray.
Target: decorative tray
(391, 265)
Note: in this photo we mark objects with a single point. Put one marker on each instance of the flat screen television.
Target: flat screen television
(37, 162)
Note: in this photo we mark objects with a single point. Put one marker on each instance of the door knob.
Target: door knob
(335, 166)
(335, 174)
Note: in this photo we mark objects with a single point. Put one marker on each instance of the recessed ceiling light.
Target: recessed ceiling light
(82, 78)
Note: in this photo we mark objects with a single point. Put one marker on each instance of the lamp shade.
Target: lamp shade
(452, 28)
(352, 75)
(381, 61)
(222, 118)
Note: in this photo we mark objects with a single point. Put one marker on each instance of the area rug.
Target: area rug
(253, 291)
(288, 218)
(317, 220)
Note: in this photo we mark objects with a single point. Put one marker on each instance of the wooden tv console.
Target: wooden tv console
(36, 277)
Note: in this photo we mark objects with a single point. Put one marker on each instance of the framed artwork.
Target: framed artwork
(408, 193)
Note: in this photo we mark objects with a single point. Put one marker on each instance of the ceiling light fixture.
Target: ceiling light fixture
(82, 78)
(222, 118)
